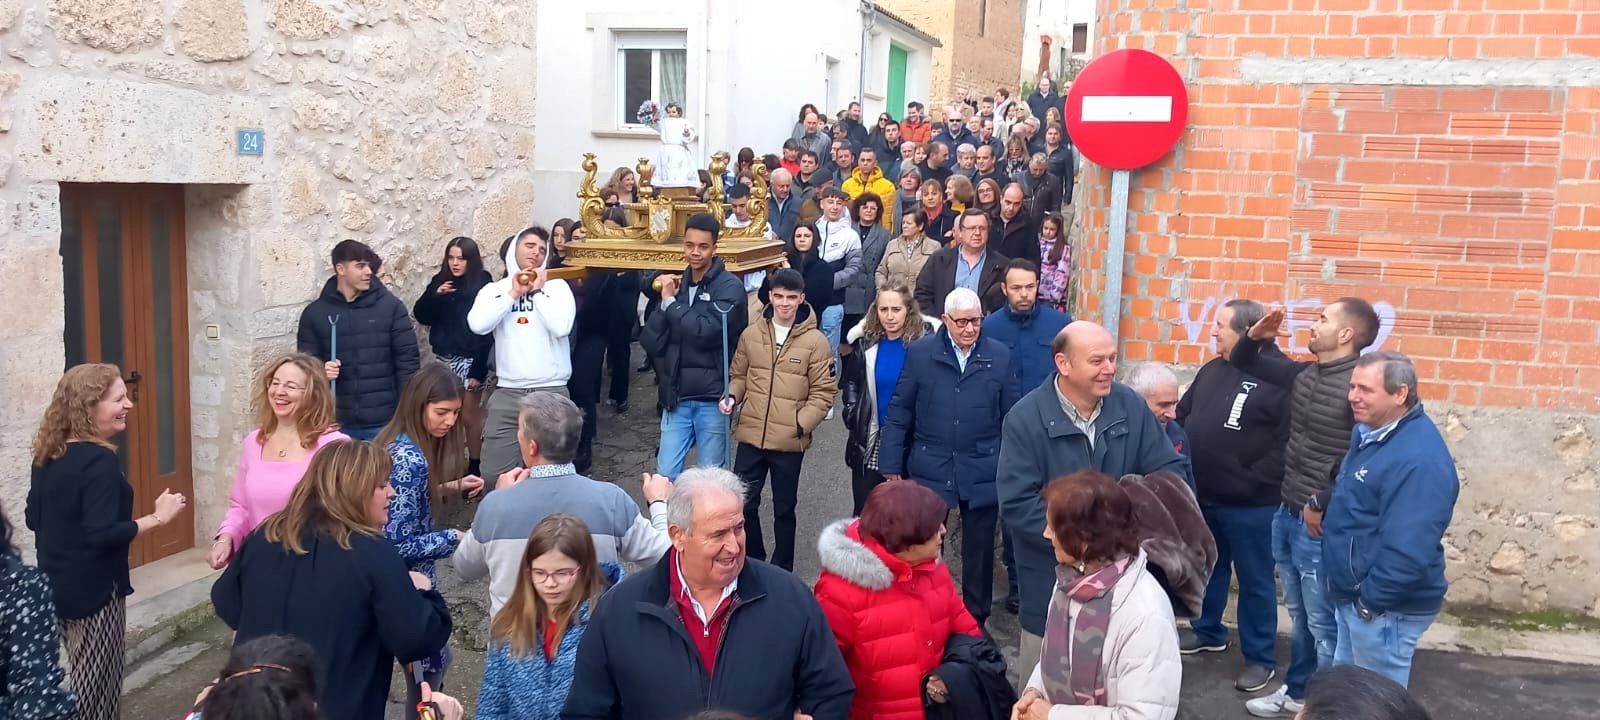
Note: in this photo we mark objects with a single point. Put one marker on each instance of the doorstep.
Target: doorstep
(172, 596)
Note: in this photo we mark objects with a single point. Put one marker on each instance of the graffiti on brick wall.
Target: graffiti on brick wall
(1199, 315)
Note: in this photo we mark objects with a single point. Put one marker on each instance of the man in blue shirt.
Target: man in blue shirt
(1383, 531)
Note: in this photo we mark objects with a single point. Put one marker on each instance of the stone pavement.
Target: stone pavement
(1451, 685)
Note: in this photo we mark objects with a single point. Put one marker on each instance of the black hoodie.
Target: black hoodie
(376, 346)
(446, 318)
(1237, 425)
(818, 276)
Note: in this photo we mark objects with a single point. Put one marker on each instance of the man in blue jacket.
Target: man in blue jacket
(1027, 329)
(1079, 419)
(1383, 532)
(944, 431)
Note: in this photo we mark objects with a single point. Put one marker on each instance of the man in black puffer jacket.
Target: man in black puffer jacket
(376, 347)
(685, 338)
(1319, 436)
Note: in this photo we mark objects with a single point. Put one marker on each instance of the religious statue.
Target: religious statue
(675, 167)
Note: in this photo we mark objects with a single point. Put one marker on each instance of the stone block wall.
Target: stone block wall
(976, 57)
(1437, 157)
(398, 123)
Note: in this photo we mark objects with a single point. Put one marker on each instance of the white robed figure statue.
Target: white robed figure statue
(674, 165)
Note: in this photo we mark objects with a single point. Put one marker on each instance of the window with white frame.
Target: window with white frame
(650, 66)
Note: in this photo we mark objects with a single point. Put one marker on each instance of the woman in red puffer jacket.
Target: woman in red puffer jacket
(890, 600)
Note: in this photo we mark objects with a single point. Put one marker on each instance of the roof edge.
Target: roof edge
(876, 9)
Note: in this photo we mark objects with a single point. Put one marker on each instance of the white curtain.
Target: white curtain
(674, 78)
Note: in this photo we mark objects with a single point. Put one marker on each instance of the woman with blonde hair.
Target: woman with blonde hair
(80, 508)
(322, 571)
(872, 367)
(624, 184)
(534, 639)
(988, 194)
(426, 445)
(294, 417)
(958, 190)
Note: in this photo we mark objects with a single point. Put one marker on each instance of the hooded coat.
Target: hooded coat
(377, 349)
(786, 391)
(877, 184)
(891, 619)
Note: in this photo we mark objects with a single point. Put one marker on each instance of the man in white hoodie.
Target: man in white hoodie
(841, 249)
(531, 318)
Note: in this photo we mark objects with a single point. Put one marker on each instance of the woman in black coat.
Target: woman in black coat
(804, 257)
(323, 572)
(80, 508)
(871, 368)
(443, 308)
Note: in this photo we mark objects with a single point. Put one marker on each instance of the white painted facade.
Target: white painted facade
(1055, 18)
(747, 69)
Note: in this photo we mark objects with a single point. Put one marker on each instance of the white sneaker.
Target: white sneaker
(830, 414)
(1276, 705)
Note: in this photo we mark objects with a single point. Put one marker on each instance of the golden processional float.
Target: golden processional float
(653, 237)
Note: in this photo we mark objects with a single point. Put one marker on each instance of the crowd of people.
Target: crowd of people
(963, 385)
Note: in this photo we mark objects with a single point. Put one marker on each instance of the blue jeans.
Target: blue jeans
(362, 433)
(1244, 544)
(1384, 645)
(1299, 558)
(693, 422)
(829, 324)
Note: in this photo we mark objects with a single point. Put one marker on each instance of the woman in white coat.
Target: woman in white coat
(1110, 648)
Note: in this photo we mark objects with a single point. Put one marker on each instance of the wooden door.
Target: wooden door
(124, 272)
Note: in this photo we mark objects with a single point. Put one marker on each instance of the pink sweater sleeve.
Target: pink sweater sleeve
(238, 516)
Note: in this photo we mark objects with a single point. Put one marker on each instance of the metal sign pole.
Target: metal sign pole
(1111, 295)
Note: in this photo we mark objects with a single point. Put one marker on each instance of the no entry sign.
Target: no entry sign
(1127, 109)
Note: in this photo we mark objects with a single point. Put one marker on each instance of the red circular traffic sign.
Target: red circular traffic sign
(1126, 109)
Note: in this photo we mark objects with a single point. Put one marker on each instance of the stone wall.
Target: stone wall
(1435, 157)
(970, 64)
(398, 123)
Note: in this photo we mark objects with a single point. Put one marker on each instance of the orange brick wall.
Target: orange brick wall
(1469, 212)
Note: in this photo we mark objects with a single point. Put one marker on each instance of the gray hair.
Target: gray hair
(1246, 313)
(552, 421)
(1398, 372)
(965, 148)
(694, 483)
(1039, 159)
(780, 174)
(1145, 377)
(961, 299)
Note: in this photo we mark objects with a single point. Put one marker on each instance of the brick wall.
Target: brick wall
(1438, 157)
(969, 64)
(1472, 210)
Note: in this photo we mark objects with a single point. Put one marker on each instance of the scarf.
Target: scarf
(1070, 664)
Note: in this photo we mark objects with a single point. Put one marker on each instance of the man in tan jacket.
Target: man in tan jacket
(782, 379)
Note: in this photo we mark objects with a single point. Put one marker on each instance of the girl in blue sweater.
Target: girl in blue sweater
(428, 448)
(534, 638)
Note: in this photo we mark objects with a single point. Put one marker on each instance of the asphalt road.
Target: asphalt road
(1451, 685)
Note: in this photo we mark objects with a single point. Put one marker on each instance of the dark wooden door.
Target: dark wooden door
(123, 266)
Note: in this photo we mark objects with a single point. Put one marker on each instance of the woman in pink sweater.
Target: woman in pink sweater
(294, 412)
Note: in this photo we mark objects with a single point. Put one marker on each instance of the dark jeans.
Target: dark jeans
(862, 481)
(435, 683)
(588, 359)
(1244, 545)
(619, 355)
(752, 465)
(977, 558)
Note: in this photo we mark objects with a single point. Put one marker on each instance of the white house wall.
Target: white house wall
(750, 66)
(1054, 18)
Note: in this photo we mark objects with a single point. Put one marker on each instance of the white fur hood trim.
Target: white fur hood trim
(846, 557)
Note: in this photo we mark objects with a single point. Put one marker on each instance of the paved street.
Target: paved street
(1450, 685)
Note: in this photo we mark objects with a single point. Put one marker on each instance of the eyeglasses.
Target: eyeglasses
(560, 576)
(613, 203)
(965, 322)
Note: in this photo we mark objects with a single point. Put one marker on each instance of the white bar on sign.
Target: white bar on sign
(1127, 108)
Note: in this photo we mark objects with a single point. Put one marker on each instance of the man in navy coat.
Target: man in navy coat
(944, 431)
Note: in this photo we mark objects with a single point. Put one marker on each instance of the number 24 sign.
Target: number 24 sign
(252, 142)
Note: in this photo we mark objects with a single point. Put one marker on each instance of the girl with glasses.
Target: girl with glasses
(534, 638)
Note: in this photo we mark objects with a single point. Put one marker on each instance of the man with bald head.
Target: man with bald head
(1081, 420)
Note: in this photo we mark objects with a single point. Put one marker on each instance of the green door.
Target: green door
(895, 104)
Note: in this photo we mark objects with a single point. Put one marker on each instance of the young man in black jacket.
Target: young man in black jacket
(1238, 424)
(363, 335)
(703, 312)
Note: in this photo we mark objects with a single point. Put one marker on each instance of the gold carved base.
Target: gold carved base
(653, 238)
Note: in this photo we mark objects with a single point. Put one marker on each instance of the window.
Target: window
(650, 66)
(983, 16)
(1080, 37)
